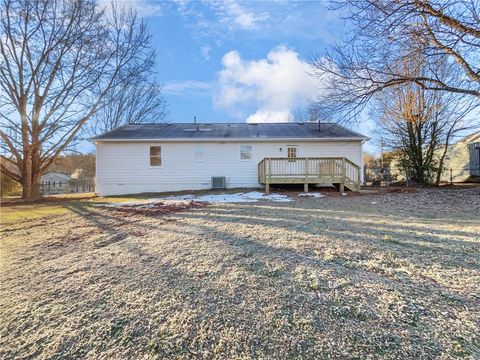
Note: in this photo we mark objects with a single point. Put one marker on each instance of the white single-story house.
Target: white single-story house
(139, 158)
(462, 161)
(53, 183)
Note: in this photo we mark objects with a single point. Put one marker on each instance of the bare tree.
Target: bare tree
(82, 164)
(59, 61)
(384, 33)
(138, 101)
(419, 124)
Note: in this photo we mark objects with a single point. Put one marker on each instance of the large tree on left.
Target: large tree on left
(59, 61)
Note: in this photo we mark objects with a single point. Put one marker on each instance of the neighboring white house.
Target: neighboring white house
(462, 160)
(461, 163)
(54, 183)
(140, 158)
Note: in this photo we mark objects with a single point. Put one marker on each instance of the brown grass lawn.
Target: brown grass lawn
(375, 276)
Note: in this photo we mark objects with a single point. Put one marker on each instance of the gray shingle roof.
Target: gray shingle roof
(227, 131)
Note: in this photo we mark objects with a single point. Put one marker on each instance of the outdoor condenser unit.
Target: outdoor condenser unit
(219, 182)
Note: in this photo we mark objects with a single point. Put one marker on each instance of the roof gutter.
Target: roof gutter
(220, 140)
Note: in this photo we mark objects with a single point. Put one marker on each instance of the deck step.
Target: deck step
(351, 186)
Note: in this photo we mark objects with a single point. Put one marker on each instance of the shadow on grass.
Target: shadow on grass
(153, 288)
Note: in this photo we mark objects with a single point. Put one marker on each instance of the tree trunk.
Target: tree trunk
(30, 181)
(31, 192)
(442, 159)
(27, 177)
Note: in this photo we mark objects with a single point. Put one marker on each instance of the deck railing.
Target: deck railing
(309, 170)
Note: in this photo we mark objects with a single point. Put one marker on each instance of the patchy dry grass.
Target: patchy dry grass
(385, 276)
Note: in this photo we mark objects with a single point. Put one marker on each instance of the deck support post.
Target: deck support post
(268, 174)
(305, 186)
(358, 179)
(341, 188)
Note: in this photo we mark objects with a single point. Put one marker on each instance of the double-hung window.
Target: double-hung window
(199, 152)
(246, 152)
(155, 156)
(292, 152)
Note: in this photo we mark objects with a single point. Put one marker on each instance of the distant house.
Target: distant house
(462, 160)
(140, 158)
(54, 183)
(461, 163)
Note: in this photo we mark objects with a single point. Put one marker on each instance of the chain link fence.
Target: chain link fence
(68, 187)
(376, 176)
(48, 188)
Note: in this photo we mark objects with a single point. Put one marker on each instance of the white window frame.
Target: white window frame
(150, 156)
(251, 152)
(297, 149)
(202, 152)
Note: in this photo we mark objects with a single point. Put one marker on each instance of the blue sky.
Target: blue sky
(237, 61)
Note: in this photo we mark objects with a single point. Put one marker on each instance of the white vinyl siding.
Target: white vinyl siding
(199, 152)
(181, 171)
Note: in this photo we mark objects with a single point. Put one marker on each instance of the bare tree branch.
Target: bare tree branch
(418, 124)
(383, 34)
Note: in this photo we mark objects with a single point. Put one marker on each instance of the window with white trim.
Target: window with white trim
(199, 152)
(246, 152)
(292, 151)
(155, 156)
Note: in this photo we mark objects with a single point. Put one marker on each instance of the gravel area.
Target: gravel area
(383, 276)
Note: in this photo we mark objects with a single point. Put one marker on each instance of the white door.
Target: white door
(294, 167)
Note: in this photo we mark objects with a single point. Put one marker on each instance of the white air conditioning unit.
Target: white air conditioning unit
(219, 182)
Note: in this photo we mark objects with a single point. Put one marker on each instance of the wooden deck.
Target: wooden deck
(302, 170)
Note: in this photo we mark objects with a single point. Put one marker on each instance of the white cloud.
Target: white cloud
(268, 116)
(205, 51)
(219, 19)
(272, 88)
(187, 87)
(236, 16)
(143, 8)
(276, 20)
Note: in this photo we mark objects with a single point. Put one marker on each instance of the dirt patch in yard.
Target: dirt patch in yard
(381, 276)
(154, 208)
(61, 198)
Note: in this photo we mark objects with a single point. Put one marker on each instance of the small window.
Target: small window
(291, 153)
(245, 152)
(155, 156)
(199, 152)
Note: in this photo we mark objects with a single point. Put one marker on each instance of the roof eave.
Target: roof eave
(254, 139)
